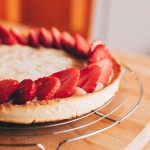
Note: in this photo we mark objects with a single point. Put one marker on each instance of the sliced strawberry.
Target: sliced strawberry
(94, 44)
(81, 46)
(68, 79)
(47, 87)
(98, 54)
(17, 35)
(33, 38)
(116, 68)
(6, 37)
(56, 34)
(68, 41)
(45, 37)
(7, 88)
(89, 78)
(26, 91)
(40, 81)
(106, 65)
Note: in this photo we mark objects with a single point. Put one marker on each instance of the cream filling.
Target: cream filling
(24, 62)
(79, 92)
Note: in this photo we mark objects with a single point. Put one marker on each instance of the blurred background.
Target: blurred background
(121, 24)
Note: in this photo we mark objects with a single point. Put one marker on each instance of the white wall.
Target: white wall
(122, 24)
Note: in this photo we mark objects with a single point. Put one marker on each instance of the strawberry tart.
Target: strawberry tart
(50, 75)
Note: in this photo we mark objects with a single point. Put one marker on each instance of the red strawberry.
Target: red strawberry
(68, 41)
(94, 44)
(7, 88)
(56, 34)
(68, 79)
(99, 53)
(17, 35)
(45, 37)
(106, 65)
(6, 37)
(33, 38)
(26, 91)
(40, 81)
(81, 46)
(47, 87)
(116, 68)
(89, 78)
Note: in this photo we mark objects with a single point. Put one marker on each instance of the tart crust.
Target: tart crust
(58, 109)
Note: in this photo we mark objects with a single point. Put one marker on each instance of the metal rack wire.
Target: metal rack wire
(106, 112)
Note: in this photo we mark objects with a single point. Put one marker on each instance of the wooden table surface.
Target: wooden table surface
(131, 134)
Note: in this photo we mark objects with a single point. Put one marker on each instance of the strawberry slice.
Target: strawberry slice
(17, 35)
(6, 37)
(99, 53)
(26, 91)
(68, 79)
(47, 87)
(89, 78)
(81, 46)
(56, 34)
(7, 88)
(116, 68)
(106, 65)
(45, 37)
(33, 38)
(40, 81)
(94, 44)
(68, 41)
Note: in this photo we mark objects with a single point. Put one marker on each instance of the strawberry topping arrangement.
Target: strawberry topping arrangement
(6, 37)
(62, 84)
(25, 91)
(17, 35)
(7, 88)
(89, 78)
(33, 38)
(68, 79)
(47, 87)
(45, 37)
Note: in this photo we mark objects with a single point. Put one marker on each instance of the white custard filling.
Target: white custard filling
(99, 86)
(79, 92)
(24, 62)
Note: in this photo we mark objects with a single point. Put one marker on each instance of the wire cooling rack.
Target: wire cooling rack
(111, 113)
